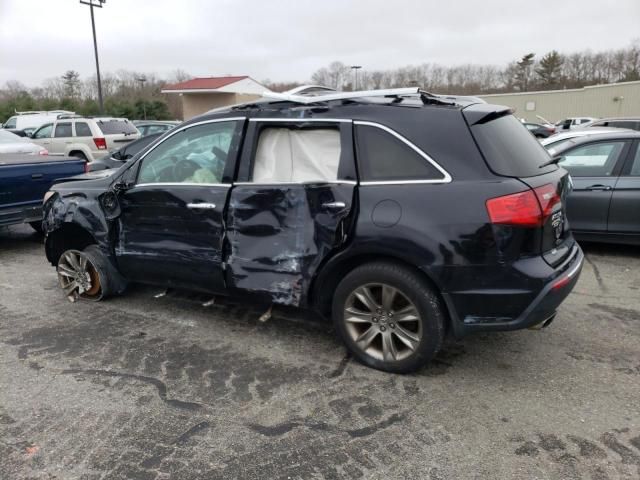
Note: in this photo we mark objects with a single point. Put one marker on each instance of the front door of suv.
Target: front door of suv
(594, 169)
(171, 226)
(290, 207)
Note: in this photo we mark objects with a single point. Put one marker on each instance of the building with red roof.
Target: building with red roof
(201, 94)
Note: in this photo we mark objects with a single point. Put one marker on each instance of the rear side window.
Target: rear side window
(509, 149)
(83, 130)
(113, 127)
(624, 124)
(593, 160)
(62, 130)
(635, 167)
(11, 123)
(384, 157)
(297, 155)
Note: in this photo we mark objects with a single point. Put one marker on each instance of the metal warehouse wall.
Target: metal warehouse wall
(611, 100)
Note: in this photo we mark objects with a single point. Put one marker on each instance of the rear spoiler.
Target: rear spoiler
(484, 112)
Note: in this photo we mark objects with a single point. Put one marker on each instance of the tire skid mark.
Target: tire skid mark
(285, 427)
(159, 384)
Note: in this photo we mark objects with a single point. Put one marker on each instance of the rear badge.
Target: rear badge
(557, 222)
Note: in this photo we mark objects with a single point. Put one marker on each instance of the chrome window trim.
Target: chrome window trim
(176, 130)
(446, 176)
(308, 182)
(182, 184)
(289, 120)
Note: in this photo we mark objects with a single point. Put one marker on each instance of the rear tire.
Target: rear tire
(389, 317)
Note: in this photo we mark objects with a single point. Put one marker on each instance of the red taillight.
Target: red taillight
(548, 198)
(525, 209)
(101, 143)
(86, 167)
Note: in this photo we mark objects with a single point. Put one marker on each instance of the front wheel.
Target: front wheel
(389, 317)
(88, 275)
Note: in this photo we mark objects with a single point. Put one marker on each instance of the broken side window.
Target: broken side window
(297, 155)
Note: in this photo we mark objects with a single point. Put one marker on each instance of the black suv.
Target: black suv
(402, 215)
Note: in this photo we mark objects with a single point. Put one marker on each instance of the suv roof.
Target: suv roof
(410, 97)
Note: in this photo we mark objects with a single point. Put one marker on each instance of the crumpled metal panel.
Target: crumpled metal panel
(279, 235)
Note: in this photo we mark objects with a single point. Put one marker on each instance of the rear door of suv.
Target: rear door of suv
(290, 206)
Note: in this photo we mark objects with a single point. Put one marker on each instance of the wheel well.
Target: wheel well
(73, 153)
(322, 297)
(69, 236)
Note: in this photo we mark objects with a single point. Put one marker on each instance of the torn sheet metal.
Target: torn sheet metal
(278, 236)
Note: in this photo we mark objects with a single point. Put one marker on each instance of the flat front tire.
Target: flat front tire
(88, 275)
(389, 317)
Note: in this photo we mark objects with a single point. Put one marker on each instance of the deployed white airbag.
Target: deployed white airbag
(306, 155)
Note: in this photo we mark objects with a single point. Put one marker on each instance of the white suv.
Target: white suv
(86, 138)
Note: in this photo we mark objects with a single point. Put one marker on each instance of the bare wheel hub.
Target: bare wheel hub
(383, 322)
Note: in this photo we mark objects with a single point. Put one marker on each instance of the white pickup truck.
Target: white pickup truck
(84, 137)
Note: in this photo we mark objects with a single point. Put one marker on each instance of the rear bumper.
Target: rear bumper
(21, 214)
(555, 288)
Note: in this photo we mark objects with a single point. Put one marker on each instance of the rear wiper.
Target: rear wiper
(553, 161)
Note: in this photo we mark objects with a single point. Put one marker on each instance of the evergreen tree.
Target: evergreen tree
(550, 69)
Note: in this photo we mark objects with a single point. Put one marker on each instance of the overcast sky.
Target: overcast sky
(289, 40)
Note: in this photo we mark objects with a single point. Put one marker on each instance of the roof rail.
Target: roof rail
(35, 112)
(66, 116)
(309, 90)
(307, 99)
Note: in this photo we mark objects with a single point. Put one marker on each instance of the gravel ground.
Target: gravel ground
(139, 387)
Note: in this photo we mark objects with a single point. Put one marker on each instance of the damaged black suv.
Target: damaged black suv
(401, 215)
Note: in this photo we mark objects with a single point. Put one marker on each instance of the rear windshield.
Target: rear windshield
(510, 149)
(112, 127)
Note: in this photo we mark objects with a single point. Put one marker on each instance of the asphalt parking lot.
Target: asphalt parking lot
(140, 387)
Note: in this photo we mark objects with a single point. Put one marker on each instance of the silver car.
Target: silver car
(12, 143)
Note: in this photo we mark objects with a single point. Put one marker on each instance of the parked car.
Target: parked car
(632, 123)
(85, 138)
(12, 143)
(32, 120)
(555, 140)
(539, 131)
(19, 133)
(24, 179)
(148, 127)
(573, 122)
(605, 202)
(401, 215)
(117, 158)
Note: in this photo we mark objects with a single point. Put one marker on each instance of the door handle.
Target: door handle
(36, 176)
(334, 205)
(202, 206)
(599, 187)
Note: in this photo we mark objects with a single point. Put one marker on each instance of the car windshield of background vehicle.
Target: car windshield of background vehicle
(194, 155)
(596, 160)
(113, 127)
(300, 155)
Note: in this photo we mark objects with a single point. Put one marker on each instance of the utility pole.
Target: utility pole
(96, 3)
(142, 79)
(355, 68)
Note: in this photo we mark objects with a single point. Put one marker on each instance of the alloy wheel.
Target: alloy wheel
(78, 277)
(383, 322)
